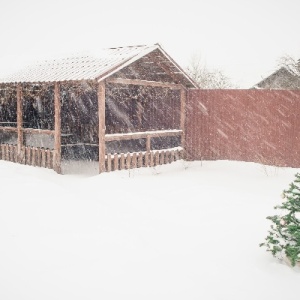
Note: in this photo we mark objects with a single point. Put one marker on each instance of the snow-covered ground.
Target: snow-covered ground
(189, 230)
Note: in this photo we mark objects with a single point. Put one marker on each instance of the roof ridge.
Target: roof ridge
(129, 46)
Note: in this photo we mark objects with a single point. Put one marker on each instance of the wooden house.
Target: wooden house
(282, 79)
(124, 108)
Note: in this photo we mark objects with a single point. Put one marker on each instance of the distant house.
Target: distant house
(285, 78)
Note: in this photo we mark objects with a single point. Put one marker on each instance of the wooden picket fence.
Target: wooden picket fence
(41, 157)
(32, 156)
(133, 160)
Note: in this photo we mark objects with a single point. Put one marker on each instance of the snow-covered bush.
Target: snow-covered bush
(284, 236)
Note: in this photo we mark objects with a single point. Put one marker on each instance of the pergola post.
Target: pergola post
(19, 123)
(57, 129)
(182, 117)
(101, 116)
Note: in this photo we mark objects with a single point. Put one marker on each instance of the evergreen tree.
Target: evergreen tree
(284, 235)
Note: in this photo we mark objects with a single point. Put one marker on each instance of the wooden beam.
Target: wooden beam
(182, 116)
(19, 123)
(37, 131)
(14, 129)
(101, 116)
(57, 129)
(141, 135)
(144, 83)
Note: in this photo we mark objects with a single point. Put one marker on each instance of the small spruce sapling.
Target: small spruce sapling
(284, 235)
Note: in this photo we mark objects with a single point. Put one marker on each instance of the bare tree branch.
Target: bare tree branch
(207, 78)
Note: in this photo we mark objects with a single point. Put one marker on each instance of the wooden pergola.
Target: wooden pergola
(141, 67)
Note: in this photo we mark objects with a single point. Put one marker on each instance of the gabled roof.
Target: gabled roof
(97, 67)
(283, 78)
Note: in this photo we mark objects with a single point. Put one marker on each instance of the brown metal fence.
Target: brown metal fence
(246, 125)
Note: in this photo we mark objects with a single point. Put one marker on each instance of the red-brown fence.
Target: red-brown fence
(247, 125)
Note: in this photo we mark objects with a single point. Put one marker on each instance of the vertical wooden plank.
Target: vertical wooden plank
(116, 162)
(151, 159)
(43, 157)
(156, 160)
(146, 159)
(181, 154)
(22, 160)
(15, 152)
(51, 159)
(134, 160)
(176, 155)
(38, 154)
(33, 156)
(2, 151)
(148, 149)
(48, 158)
(171, 156)
(19, 123)
(140, 159)
(182, 115)
(162, 158)
(128, 161)
(27, 156)
(167, 161)
(10, 152)
(101, 116)
(108, 162)
(57, 129)
(6, 152)
(122, 162)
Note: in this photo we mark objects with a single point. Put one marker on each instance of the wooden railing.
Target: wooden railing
(32, 156)
(148, 158)
(134, 160)
(41, 157)
(27, 130)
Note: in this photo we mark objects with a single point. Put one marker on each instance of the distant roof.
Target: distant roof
(286, 77)
(96, 67)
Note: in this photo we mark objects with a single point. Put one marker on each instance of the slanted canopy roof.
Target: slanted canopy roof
(97, 67)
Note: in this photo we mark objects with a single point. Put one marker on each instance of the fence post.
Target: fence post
(182, 116)
(101, 120)
(19, 123)
(57, 129)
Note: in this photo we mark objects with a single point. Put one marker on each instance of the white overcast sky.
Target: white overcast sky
(243, 38)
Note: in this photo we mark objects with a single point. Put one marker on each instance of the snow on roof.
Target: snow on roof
(79, 67)
(88, 67)
(284, 70)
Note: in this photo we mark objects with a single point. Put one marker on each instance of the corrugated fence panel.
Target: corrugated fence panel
(248, 125)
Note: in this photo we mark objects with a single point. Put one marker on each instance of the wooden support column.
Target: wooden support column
(19, 123)
(148, 150)
(182, 117)
(57, 129)
(101, 116)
